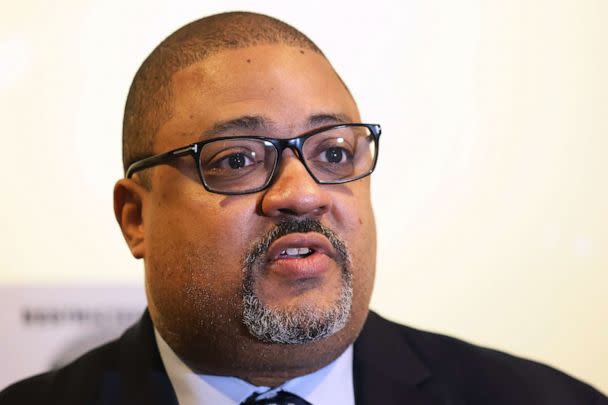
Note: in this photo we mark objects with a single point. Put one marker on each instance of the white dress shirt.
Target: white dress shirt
(333, 384)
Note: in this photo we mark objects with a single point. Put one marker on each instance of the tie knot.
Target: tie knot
(281, 398)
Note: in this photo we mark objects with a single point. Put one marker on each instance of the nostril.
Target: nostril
(320, 210)
(287, 211)
(295, 211)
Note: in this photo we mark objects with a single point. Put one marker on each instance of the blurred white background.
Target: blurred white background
(491, 191)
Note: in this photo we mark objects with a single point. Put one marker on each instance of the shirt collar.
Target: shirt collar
(329, 385)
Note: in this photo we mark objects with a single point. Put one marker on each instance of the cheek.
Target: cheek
(212, 224)
(355, 222)
(193, 256)
(354, 212)
(190, 287)
(364, 259)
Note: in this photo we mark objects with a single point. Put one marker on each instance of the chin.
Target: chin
(300, 322)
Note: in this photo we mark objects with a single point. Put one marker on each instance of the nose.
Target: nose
(294, 192)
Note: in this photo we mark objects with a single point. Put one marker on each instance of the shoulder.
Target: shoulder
(77, 382)
(483, 375)
(128, 370)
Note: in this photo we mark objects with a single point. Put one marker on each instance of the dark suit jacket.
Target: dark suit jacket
(393, 364)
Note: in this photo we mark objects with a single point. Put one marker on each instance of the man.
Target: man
(247, 194)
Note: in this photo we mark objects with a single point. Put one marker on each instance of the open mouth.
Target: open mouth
(301, 255)
(296, 253)
(300, 246)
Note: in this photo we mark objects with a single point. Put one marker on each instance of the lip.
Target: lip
(312, 265)
(316, 241)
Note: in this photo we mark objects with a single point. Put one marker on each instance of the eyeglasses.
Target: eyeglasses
(246, 164)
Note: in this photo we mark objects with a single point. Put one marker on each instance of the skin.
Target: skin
(193, 241)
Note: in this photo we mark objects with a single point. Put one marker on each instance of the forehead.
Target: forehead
(285, 85)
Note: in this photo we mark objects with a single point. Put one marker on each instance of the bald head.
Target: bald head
(149, 102)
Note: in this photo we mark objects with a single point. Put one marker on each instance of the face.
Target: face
(208, 255)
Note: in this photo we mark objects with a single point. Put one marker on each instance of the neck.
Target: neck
(260, 363)
(266, 364)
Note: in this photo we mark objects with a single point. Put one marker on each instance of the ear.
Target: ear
(128, 209)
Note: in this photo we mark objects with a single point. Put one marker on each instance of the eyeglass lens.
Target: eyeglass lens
(242, 164)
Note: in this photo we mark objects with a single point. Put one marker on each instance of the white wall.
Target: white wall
(491, 192)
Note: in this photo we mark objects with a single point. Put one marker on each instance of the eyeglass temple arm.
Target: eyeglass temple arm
(159, 159)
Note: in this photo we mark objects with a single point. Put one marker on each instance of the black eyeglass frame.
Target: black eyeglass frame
(280, 145)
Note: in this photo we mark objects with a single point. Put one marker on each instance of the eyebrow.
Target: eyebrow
(328, 119)
(256, 123)
(246, 122)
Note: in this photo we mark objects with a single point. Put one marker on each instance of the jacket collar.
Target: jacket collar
(386, 369)
(146, 381)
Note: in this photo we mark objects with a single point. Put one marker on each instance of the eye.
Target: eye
(334, 154)
(237, 160)
(334, 151)
(330, 157)
(234, 160)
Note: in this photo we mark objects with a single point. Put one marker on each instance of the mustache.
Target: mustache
(287, 226)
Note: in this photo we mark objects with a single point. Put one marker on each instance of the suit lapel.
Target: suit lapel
(146, 381)
(386, 370)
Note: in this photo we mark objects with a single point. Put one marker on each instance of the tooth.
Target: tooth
(292, 251)
(303, 251)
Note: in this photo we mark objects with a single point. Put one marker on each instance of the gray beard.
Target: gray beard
(303, 324)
